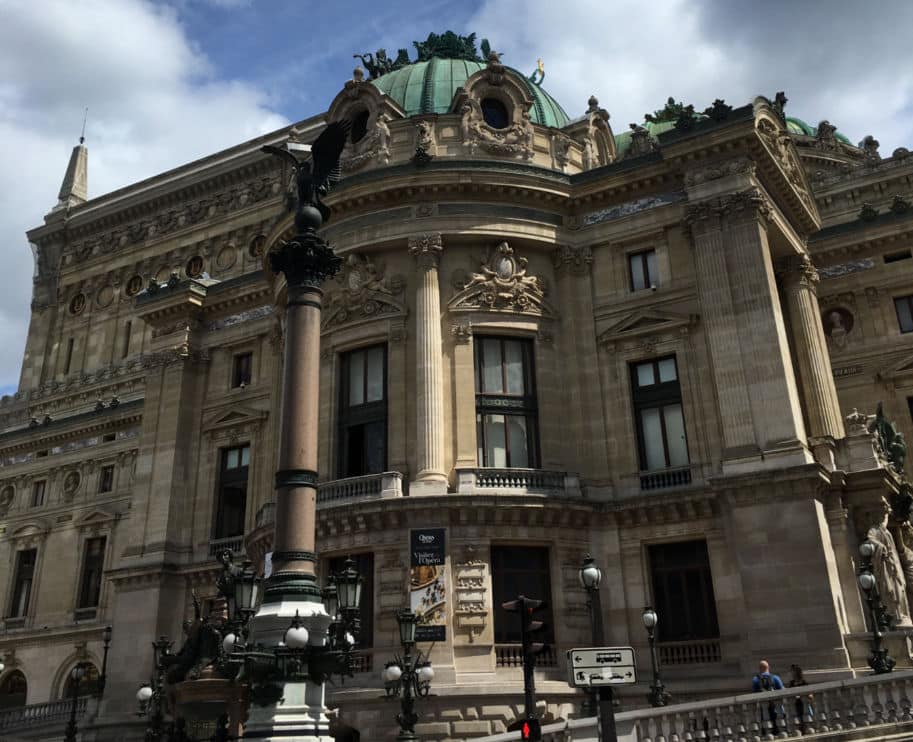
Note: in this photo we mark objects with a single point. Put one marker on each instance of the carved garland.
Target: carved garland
(363, 293)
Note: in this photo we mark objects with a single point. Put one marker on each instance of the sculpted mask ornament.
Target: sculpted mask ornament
(6, 498)
(71, 484)
(502, 283)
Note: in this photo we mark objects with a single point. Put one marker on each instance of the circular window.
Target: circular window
(495, 113)
(359, 127)
(77, 304)
(134, 285)
(194, 267)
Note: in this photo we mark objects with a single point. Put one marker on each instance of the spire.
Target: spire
(74, 190)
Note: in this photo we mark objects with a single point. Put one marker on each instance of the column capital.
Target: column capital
(576, 260)
(426, 248)
(800, 269)
(747, 205)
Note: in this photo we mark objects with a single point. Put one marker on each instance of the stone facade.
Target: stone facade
(773, 295)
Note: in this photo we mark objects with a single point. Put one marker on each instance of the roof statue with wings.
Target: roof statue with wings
(317, 177)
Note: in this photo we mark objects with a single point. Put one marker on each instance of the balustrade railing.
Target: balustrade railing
(511, 655)
(698, 652)
(534, 481)
(387, 484)
(218, 545)
(23, 717)
(654, 480)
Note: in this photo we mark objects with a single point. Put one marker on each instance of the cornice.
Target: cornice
(126, 413)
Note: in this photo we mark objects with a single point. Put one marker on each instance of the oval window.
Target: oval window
(359, 127)
(495, 113)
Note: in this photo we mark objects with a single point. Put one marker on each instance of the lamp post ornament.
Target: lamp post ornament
(880, 661)
(408, 676)
(658, 695)
(590, 576)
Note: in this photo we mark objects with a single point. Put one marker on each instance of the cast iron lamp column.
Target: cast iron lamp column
(658, 695)
(76, 675)
(103, 678)
(880, 661)
(407, 676)
(590, 576)
(150, 695)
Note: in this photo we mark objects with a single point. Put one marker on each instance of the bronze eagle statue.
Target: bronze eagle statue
(315, 178)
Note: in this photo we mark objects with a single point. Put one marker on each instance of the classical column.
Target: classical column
(431, 477)
(819, 395)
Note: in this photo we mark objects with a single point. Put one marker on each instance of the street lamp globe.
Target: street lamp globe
(867, 549)
(106, 635)
(296, 637)
(393, 673)
(228, 643)
(590, 575)
(144, 694)
(650, 618)
(425, 674)
(867, 581)
(78, 673)
(2, 668)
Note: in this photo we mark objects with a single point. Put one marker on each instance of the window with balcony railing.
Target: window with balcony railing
(22, 583)
(683, 593)
(519, 570)
(363, 412)
(507, 417)
(93, 565)
(661, 441)
(231, 501)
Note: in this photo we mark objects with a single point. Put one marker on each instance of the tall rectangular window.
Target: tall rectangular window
(363, 412)
(658, 410)
(106, 480)
(22, 582)
(507, 418)
(69, 357)
(38, 489)
(241, 370)
(231, 504)
(93, 565)
(364, 563)
(904, 307)
(520, 570)
(642, 270)
(683, 591)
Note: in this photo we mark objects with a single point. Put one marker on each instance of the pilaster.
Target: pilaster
(431, 477)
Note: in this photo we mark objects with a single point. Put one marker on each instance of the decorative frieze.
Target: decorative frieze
(631, 207)
(364, 292)
(576, 260)
(718, 170)
(502, 284)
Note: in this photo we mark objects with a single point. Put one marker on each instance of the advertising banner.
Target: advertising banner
(427, 584)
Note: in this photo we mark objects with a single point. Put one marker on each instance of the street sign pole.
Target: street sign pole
(605, 704)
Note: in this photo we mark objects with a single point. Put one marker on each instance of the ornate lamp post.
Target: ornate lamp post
(590, 576)
(658, 696)
(407, 676)
(103, 678)
(150, 696)
(76, 676)
(880, 661)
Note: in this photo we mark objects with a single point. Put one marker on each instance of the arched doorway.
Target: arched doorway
(87, 686)
(13, 689)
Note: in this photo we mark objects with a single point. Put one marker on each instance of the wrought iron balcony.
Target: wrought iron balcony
(480, 481)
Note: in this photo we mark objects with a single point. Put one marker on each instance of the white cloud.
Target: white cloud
(153, 105)
(847, 62)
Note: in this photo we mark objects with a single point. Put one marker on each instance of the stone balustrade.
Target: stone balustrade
(511, 655)
(664, 478)
(39, 714)
(367, 487)
(696, 652)
(234, 543)
(480, 481)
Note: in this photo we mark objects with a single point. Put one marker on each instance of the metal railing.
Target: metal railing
(511, 655)
(654, 480)
(37, 714)
(533, 481)
(696, 652)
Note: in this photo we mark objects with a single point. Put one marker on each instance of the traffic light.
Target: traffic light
(530, 731)
(528, 627)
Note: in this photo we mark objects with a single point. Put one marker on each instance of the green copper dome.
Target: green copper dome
(798, 126)
(429, 87)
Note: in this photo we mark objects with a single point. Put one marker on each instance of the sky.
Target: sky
(169, 81)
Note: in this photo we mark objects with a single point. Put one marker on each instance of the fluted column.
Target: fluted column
(819, 394)
(431, 477)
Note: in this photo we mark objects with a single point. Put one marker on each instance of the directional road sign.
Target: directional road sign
(595, 666)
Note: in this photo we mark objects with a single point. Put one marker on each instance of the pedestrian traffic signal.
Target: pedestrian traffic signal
(530, 731)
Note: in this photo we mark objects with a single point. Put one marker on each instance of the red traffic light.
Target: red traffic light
(525, 730)
(531, 731)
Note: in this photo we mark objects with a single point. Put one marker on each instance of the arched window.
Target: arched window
(87, 686)
(495, 113)
(359, 127)
(13, 689)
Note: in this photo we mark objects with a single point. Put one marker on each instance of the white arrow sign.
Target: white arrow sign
(601, 666)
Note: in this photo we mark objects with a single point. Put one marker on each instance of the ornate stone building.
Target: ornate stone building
(547, 339)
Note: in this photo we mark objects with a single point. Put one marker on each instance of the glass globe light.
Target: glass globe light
(296, 637)
(867, 549)
(393, 673)
(425, 674)
(144, 694)
(78, 673)
(649, 618)
(2, 667)
(228, 643)
(349, 639)
(867, 581)
(590, 575)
